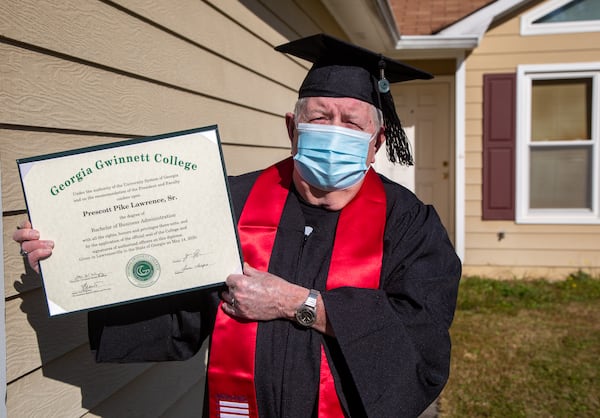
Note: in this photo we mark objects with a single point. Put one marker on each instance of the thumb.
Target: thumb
(248, 269)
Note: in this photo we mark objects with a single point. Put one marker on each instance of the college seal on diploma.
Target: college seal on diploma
(143, 270)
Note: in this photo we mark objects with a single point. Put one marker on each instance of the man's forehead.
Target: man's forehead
(341, 103)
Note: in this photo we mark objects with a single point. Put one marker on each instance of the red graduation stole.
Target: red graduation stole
(355, 261)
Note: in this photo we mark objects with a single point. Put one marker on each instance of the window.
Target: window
(562, 16)
(558, 143)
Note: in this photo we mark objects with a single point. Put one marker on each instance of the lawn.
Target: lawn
(525, 348)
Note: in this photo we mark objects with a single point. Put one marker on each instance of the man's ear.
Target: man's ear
(290, 123)
(380, 139)
(378, 142)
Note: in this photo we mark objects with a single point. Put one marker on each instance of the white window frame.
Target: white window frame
(525, 75)
(529, 28)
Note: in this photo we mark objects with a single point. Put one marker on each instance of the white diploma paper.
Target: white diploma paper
(132, 220)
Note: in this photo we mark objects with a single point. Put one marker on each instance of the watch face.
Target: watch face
(306, 316)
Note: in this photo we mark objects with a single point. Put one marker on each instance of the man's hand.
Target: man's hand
(32, 247)
(261, 296)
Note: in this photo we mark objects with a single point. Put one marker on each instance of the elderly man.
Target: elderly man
(349, 281)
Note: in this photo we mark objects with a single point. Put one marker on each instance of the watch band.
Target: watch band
(311, 300)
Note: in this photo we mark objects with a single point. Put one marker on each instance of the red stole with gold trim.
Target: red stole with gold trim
(355, 262)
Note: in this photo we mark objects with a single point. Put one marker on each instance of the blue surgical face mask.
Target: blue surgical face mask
(331, 157)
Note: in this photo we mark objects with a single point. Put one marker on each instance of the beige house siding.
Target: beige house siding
(75, 74)
(526, 250)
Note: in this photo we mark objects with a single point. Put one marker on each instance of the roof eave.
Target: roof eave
(438, 42)
(478, 23)
(464, 34)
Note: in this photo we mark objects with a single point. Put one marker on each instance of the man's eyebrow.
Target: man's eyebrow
(318, 111)
(316, 108)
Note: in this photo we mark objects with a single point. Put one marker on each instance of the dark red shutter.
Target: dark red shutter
(499, 113)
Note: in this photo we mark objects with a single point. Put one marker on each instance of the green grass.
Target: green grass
(525, 348)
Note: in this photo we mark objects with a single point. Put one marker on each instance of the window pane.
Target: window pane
(574, 11)
(560, 178)
(561, 109)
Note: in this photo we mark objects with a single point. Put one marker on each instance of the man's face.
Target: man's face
(346, 112)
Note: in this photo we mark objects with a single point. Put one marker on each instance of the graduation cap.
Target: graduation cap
(341, 69)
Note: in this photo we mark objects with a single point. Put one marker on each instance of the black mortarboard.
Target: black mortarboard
(341, 69)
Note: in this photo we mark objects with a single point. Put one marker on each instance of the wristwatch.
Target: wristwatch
(306, 314)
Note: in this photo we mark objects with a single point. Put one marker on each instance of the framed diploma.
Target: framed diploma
(132, 220)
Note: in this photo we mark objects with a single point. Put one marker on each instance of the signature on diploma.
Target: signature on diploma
(89, 286)
(87, 283)
(190, 261)
(87, 276)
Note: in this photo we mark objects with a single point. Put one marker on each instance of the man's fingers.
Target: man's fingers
(248, 269)
(26, 234)
(24, 224)
(34, 257)
(37, 250)
(31, 246)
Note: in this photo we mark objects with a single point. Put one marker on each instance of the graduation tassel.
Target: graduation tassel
(396, 142)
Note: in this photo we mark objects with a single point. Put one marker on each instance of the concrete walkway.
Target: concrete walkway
(431, 411)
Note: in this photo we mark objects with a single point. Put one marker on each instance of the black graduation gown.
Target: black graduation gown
(391, 353)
